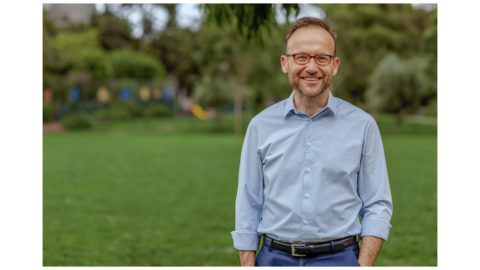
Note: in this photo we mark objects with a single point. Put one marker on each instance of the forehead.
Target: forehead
(311, 38)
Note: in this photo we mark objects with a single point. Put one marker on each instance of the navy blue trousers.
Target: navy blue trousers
(271, 257)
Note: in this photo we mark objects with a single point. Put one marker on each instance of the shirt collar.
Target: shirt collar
(290, 107)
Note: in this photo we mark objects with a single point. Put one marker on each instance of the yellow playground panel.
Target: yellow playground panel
(199, 112)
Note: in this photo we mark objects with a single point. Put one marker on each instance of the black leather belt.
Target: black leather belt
(310, 249)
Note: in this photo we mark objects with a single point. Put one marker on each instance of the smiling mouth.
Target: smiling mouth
(311, 79)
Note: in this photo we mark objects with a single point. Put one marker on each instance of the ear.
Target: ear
(336, 64)
(283, 62)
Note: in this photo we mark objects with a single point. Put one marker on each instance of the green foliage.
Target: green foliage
(77, 121)
(69, 43)
(213, 92)
(113, 113)
(228, 55)
(237, 44)
(221, 51)
(54, 61)
(397, 85)
(375, 29)
(113, 32)
(119, 111)
(133, 107)
(431, 108)
(82, 50)
(158, 110)
(95, 61)
(225, 62)
(176, 49)
(49, 26)
(130, 64)
(368, 32)
(429, 36)
(429, 52)
(48, 111)
(57, 83)
(265, 78)
(127, 110)
(55, 64)
(248, 19)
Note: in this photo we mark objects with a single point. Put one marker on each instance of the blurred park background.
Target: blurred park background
(145, 107)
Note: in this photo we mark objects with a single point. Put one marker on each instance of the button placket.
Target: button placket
(307, 207)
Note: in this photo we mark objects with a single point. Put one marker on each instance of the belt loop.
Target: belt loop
(332, 245)
(268, 242)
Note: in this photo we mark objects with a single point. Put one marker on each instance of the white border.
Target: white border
(21, 134)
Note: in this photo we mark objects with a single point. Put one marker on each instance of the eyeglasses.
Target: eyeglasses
(303, 59)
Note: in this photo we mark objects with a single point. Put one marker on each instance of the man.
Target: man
(310, 165)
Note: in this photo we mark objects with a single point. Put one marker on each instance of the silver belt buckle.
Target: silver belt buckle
(293, 250)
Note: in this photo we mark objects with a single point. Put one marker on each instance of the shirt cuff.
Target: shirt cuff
(245, 240)
(376, 227)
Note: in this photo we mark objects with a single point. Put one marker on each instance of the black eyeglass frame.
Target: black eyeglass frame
(314, 58)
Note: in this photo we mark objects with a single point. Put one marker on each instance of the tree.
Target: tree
(148, 18)
(87, 61)
(214, 92)
(248, 19)
(265, 79)
(102, 54)
(368, 32)
(172, 15)
(429, 52)
(397, 86)
(113, 32)
(222, 57)
(251, 22)
(55, 65)
(131, 64)
(175, 48)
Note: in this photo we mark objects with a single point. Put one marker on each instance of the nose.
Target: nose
(311, 66)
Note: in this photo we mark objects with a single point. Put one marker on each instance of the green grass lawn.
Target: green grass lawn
(162, 192)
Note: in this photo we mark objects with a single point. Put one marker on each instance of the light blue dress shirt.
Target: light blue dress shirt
(305, 178)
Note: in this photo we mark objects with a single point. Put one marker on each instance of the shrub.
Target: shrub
(431, 108)
(158, 110)
(134, 109)
(119, 111)
(77, 121)
(113, 112)
(94, 61)
(130, 64)
(48, 112)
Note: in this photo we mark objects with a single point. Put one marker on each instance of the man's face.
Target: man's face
(310, 79)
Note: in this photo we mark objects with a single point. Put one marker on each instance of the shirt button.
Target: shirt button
(307, 195)
(305, 221)
(309, 119)
(308, 169)
(309, 144)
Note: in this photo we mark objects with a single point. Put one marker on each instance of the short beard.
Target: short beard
(322, 90)
(310, 95)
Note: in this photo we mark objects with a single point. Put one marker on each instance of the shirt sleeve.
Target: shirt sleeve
(373, 186)
(249, 201)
